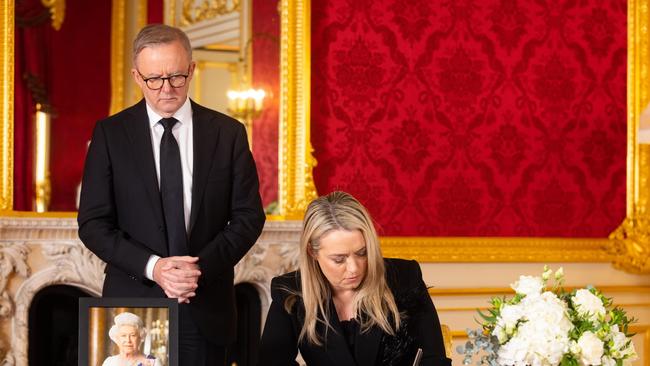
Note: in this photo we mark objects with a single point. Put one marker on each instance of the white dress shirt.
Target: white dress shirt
(182, 131)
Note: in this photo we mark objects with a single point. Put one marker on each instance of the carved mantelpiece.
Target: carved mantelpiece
(39, 252)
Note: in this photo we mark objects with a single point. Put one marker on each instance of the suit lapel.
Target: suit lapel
(138, 131)
(205, 139)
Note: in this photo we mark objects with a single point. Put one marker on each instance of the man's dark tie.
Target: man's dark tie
(171, 190)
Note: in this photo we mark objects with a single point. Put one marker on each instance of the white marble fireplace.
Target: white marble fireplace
(39, 252)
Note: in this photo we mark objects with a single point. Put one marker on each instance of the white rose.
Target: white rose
(509, 316)
(591, 349)
(545, 329)
(627, 353)
(608, 361)
(588, 305)
(620, 347)
(619, 342)
(528, 285)
(559, 273)
(514, 352)
(547, 310)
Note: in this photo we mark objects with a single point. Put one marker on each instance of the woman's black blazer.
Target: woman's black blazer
(421, 327)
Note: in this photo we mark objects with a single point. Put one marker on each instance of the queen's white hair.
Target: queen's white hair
(127, 318)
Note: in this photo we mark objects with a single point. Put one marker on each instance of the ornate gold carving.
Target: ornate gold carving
(208, 9)
(476, 249)
(296, 162)
(631, 245)
(57, 11)
(6, 104)
(630, 242)
(118, 35)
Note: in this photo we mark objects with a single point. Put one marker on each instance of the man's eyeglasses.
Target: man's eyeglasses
(175, 81)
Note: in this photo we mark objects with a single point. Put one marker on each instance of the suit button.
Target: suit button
(161, 229)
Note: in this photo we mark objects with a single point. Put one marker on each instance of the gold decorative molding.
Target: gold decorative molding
(169, 12)
(6, 104)
(143, 13)
(207, 9)
(57, 11)
(630, 242)
(296, 161)
(118, 35)
(483, 249)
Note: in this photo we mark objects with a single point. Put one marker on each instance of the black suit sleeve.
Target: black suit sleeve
(97, 218)
(246, 215)
(279, 345)
(424, 322)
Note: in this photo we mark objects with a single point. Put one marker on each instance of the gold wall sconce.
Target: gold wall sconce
(246, 105)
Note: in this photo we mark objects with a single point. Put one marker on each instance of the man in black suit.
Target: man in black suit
(170, 198)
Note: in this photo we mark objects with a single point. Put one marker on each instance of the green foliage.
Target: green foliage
(603, 322)
(568, 360)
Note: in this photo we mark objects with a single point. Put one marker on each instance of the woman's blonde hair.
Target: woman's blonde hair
(374, 303)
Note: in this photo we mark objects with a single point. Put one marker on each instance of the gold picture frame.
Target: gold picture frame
(628, 247)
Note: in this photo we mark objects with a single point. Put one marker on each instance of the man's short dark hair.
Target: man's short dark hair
(157, 34)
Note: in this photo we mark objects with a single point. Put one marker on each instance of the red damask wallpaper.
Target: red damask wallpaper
(266, 75)
(473, 117)
(72, 69)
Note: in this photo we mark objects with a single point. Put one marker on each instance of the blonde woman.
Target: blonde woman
(347, 305)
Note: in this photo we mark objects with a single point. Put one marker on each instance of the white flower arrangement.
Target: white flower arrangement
(540, 327)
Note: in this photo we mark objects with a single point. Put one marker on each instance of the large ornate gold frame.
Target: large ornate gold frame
(628, 247)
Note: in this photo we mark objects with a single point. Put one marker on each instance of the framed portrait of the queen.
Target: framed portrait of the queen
(128, 332)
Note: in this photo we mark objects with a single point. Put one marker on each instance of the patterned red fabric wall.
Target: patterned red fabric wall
(473, 118)
(80, 90)
(266, 75)
(73, 67)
